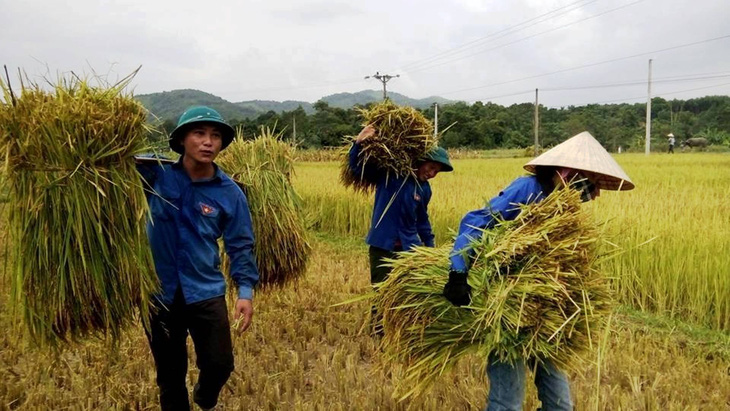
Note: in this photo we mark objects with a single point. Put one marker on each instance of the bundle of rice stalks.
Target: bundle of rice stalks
(263, 167)
(536, 294)
(402, 137)
(79, 257)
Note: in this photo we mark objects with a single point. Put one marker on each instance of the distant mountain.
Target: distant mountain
(168, 105)
(263, 106)
(347, 100)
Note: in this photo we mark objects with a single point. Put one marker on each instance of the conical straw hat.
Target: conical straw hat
(584, 152)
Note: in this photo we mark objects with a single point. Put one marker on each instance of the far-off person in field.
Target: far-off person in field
(400, 215)
(671, 141)
(193, 204)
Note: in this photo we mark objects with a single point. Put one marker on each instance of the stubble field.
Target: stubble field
(668, 347)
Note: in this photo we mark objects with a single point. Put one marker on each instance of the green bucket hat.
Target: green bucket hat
(439, 155)
(199, 114)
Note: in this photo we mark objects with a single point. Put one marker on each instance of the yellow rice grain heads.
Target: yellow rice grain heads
(263, 167)
(402, 136)
(79, 259)
(537, 293)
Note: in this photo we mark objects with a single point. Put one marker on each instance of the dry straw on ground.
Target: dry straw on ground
(402, 136)
(80, 263)
(263, 167)
(536, 294)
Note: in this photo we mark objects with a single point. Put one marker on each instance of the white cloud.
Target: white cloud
(306, 49)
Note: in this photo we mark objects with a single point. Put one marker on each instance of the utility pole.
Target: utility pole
(537, 124)
(647, 143)
(383, 78)
(294, 128)
(435, 120)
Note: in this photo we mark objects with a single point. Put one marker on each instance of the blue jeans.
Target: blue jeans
(507, 386)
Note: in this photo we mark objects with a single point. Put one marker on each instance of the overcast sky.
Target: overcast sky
(469, 50)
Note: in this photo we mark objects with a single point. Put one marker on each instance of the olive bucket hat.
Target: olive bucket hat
(199, 114)
(439, 155)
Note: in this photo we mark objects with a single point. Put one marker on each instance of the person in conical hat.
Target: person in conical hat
(671, 141)
(579, 162)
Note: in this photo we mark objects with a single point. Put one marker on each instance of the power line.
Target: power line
(698, 74)
(348, 81)
(635, 83)
(425, 67)
(321, 85)
(518, 93)
(351, 81)
(455, 50)
(586, 65)
(509, 30)
(661, 94)
(669, 79)
(523, 38)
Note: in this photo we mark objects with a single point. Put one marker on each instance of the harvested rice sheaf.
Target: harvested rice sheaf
(79, 259)
(263, 167)
(402, 136)
(536, 293)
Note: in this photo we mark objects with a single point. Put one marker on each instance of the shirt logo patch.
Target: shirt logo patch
(416, 197)
(206, 209)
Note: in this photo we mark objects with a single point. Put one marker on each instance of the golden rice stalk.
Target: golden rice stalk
(402, 137)
(536, 294)
(263, 167)
(80, 263)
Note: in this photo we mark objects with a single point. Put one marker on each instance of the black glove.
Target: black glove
(457, 290)
(585, 187)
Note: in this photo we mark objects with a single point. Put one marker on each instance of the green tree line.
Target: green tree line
(489, 126)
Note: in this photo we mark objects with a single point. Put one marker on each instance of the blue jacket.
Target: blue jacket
(524, 190)
(188, 218)
(400, 213)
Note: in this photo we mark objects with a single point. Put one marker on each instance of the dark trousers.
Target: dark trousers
(378, 274)
(207, 323)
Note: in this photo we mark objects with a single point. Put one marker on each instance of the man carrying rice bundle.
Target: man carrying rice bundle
(400, 214)
(193, 204)
(580, 162)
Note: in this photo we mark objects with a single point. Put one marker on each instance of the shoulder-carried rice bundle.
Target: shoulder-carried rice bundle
(537, 293)
(403, 135)
(263, 167)
(80, 263)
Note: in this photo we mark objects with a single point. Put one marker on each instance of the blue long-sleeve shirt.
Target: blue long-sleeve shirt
(400, 212)
(188, 218)
(523, 190)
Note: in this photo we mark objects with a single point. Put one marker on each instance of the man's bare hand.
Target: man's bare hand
(243, 314)
(367, 132)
